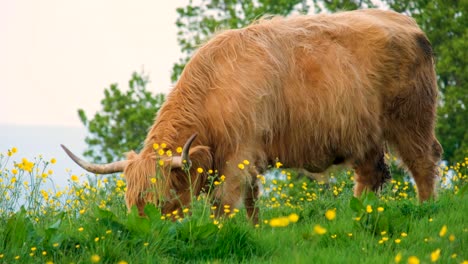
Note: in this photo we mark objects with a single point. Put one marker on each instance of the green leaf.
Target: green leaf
(356, 205)
(137, 223)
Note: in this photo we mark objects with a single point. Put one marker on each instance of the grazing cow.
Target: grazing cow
(310, 91)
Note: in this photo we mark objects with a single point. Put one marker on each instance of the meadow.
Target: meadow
(301, 220)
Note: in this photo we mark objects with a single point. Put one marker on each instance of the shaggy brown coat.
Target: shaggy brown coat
(309, 91)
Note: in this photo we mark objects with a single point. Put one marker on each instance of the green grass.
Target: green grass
(88, 222)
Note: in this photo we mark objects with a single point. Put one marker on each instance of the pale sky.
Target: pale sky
(57, 56)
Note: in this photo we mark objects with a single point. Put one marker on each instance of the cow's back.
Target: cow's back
(303, 89)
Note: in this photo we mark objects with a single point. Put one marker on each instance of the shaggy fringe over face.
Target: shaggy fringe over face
(307, 90)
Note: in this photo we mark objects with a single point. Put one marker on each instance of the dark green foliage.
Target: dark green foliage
(123, 122)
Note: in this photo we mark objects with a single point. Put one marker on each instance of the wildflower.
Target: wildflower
(404, 234)
(185, 210)
(122, 262)
(246, 162)
(96, 239)
(330, 214)
(14, 150)
(161, 163)
(319, 230)
(435, 255)
(33, 249)
(413, 260)
(74, 178)
(155, 146)
(169, 153)
(443, 231)
(50, 262)
(81, 229)
(452, 237)
(293, 218)
(398, 258)
(200, 170)
(369, 209)
(222, 178)
(153, 180)
(279, 222)
(380, 209)
(397, 241)
(179, 150)
(163, 145)
(55, 245)
(241, 166)
(95, 258)
(53, 161)
(160, 152)
(146, 244)
(44, 253)
(14, 171)
(278, 164)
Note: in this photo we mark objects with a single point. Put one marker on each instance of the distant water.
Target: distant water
(32, 141)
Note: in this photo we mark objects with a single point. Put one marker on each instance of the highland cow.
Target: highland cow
(310, 91)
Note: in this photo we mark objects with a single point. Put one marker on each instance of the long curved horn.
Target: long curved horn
(178, 161)
(108, 168)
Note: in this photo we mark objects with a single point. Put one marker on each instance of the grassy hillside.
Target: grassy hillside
(302, 221)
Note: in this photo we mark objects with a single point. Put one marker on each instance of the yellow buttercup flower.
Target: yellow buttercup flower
(369, 209)
(398, 258)
(330, 214)
(53, 161)
(279, 222)
(443, 231)
(413, 260)
(241, 166)
(293, 218)
(319, 230)
(179, 150)
(200, 170)
(435, 255)
(95, 258)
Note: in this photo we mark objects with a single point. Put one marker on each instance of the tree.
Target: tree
(444, 21)
(123, 122)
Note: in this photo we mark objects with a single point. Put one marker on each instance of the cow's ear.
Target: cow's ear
(131, 155)
(201, 155)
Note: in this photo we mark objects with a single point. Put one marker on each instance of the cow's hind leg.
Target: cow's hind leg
(371, 172)
(421, 158)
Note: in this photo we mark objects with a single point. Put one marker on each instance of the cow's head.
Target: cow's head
(148, 176)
